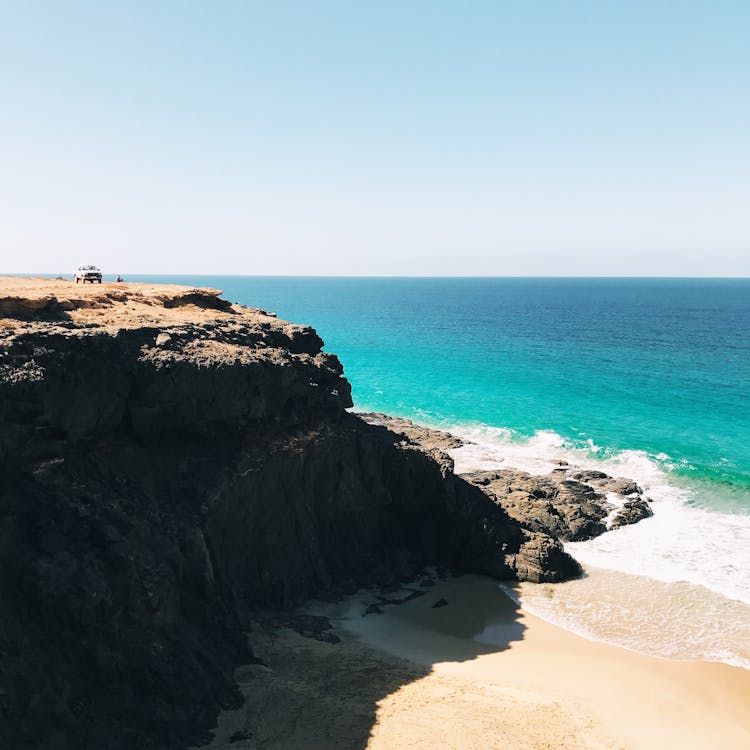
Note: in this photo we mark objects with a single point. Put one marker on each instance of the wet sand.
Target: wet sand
(477, 673)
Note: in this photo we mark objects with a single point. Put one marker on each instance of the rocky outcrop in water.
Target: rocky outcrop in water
(170, 464)
(563, 504)
(569, 503)
(633, 510)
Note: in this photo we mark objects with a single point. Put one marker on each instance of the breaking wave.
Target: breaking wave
(674, 585)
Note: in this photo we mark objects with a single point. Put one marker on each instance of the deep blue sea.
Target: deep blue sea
(647, 378)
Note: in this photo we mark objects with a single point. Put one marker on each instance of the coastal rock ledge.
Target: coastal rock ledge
(173, 463)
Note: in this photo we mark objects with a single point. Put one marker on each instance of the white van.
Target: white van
(91, 274)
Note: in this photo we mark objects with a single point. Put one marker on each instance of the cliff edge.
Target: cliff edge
(171, 463)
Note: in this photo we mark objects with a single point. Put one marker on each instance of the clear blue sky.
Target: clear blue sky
(597, 138)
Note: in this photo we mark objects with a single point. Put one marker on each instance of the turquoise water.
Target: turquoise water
(643, 378)
(658, 365)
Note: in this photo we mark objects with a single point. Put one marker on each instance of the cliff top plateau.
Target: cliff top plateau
(58, 306)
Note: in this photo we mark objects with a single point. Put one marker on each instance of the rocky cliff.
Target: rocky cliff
(170, 464)
(570, 503)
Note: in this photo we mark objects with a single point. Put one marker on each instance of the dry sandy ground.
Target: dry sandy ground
(112, 305)
(33, 287)
(477, 673)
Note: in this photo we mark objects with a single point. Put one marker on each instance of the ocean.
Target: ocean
(643, 378)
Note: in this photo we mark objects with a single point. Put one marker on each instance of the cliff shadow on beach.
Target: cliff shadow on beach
(329, 689)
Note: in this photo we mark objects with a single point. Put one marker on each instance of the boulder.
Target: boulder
(552, 504)
(633, 511)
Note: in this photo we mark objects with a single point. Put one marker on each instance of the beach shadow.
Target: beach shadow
(311, 694)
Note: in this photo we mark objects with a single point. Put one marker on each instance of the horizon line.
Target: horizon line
(56, 274)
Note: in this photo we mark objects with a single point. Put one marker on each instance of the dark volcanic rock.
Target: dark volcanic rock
(537, 558)
(633, 511)
(435, 442)
(572, 509)
(566, 509)
(311, 626)
(606, 483)
(414, 434)
(171, 463)
(402, 599)
(568, 504)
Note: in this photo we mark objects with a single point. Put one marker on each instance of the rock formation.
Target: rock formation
(568, 504)
(560, 505)
(170, 464)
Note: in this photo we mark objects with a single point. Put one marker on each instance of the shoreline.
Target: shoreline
(657, 587)
(648, 617)
(696, 703)
(478, 672)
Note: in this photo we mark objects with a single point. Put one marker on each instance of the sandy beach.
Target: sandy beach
(475, 673)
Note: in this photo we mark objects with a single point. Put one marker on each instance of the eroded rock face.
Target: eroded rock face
(566, 509)
(62, 384)
(170, 463)
(570, 504)
(414, 434)
(570, 509)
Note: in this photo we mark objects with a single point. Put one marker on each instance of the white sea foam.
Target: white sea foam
(680, 543)
(703, 555)
(672, 620)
